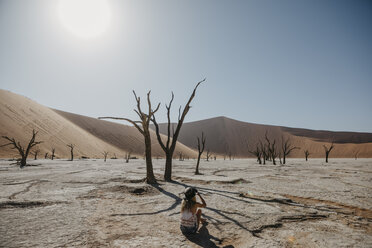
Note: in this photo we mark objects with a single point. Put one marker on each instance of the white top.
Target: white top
(188, 219)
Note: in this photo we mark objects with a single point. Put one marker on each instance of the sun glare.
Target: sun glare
(84, 18)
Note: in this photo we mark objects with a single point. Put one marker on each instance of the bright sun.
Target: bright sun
(85, 18)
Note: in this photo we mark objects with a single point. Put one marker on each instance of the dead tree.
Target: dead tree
(287, 148)
(22, 151)
(257, 152)
(171, 142)
(307, 153)
(105, 155)
(356, 154)
(145, 131)
(271, 148)
(201, 146)
(46, 155)
(273, 152)
(215, 157)
(53, 151)
(327, 150)
(35, 153)
(71, 151)
(127, 157)
(180, 155)
(263, 150)
(208, 155)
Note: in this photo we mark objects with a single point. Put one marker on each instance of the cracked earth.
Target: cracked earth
(90, 203)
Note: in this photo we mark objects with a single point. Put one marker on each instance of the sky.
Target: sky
(305, 64)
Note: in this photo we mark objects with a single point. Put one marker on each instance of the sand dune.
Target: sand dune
(19, 115)
(224, 135)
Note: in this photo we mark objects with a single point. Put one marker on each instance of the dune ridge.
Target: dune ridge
(225, 135)
(19, 115)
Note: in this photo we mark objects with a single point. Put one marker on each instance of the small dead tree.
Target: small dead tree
(53, 151)
(46, 155)
(287, 148)
(356, 154)
(263, 150)
(307, 153)
(35, 153)
(127, 157)
(180, 155)
(23, 152)
(256, 152)
(105, 155)
(327, 150)
(201, 146)
(71, 146)
(145, 131)
(171, 142)
(208, 155)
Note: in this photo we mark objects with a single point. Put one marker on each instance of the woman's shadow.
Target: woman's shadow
(204, 239)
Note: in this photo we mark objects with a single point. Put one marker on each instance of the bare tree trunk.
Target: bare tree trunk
(71, 146)
(150, 177)
(307, 153)
(53, 151)
(201, 146)
(328, 150)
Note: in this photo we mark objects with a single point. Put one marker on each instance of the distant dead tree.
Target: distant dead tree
(105, 155)
(71, 146)
(327, 150)
(263, 150)
(307, 153)
(127, 157)
(271, 149)
(35, 153)
(145, 131)
(170, 145)
(53, 151)
(201, 146)
(208, 155)
(287, 148)
(46, 155)
(256, 152)
(215, 157)
(356, 154)
(22, 151)
(180, 155)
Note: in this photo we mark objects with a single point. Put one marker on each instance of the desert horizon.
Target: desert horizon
(225, 136)
(193, 124)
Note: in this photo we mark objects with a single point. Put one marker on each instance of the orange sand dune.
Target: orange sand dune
(19, 115)
(224, 135)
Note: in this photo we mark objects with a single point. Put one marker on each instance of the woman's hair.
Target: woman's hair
(187, 203)
(189, 200)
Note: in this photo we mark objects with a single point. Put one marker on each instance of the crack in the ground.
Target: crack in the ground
(28, 204)
(36, 182)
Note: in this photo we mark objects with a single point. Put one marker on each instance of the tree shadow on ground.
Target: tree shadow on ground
(204, 239)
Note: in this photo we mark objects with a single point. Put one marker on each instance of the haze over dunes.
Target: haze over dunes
(226, 135)
(19, 115)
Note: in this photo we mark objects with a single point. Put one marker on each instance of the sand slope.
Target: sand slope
(224, 135)
(19, 115)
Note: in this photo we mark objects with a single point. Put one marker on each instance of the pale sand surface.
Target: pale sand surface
(89, 203)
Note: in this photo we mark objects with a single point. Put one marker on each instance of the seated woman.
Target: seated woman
(190, 214)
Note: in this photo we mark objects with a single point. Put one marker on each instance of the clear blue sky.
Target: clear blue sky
(291, 63)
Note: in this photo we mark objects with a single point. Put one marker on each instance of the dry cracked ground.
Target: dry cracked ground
(91, 203)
